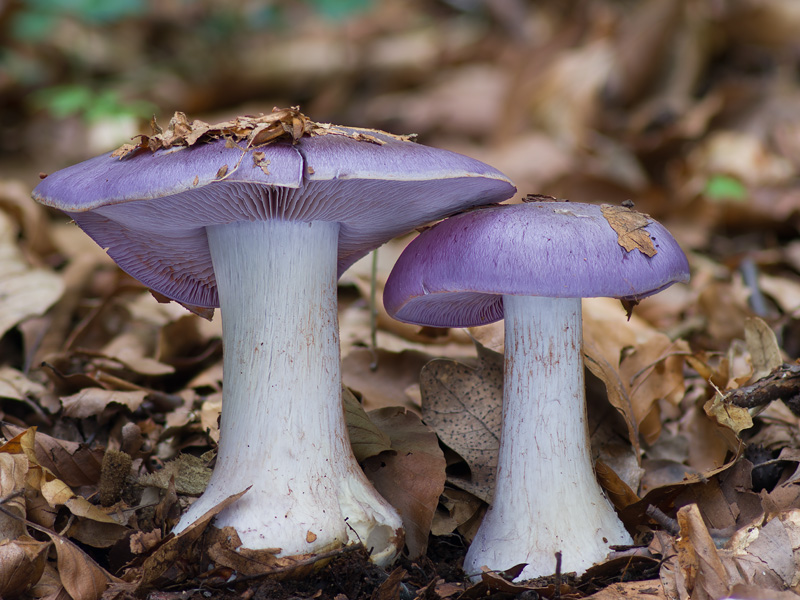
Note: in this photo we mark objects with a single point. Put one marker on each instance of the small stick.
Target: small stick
(557, 577)
(9, 497)
(300, 563)
(373, 312)
(782, 384)
(749, 270)
(669, 524)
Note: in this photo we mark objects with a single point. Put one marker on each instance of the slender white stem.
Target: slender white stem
(282, 428)
(546, 497)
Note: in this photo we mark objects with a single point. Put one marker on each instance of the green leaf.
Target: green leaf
(365, 437)
(723, 188)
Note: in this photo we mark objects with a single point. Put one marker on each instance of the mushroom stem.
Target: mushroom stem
(546, 496)
(282, 428)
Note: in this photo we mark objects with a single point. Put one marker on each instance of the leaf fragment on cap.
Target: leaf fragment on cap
(280, 124)
(261, 161)
(630, 227)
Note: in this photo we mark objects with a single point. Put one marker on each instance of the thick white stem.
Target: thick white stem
(546, 497)
(282, 428)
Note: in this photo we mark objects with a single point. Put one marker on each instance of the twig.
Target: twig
(669, 524)
(30, 524)
(300, 563)
(557, 576)
(783, 383)
(9, 497)
(373, 312)
(749, 270)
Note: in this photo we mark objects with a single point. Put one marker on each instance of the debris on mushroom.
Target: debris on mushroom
(531, 264)
(259, 216)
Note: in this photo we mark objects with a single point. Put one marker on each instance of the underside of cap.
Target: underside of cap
(456, 273)
(150, 210)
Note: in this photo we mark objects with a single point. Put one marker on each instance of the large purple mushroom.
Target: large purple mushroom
(531, 264)
(263, 231)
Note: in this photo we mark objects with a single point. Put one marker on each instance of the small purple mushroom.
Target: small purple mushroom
(263, 233)
(531, 264)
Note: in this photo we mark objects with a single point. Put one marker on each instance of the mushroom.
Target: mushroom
(263, 231)
(531, 264)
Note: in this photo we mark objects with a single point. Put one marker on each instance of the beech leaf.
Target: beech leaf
(630, 227)
(366, 438)
(82, 577)
(463, 404)
(24, 291)
(411, 477)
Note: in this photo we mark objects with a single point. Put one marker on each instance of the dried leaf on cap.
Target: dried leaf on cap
(630, 227)
(285, 124)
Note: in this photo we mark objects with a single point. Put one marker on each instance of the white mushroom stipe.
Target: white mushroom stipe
(546, 498)
(282, 428)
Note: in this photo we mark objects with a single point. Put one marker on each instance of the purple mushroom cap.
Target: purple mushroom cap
(150, 210)
(456, 273)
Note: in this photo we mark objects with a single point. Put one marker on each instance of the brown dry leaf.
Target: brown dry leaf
(81, 507)
(391, 589)
(501, 582)
(82, 577)
(386, 385)
(22, 443)
(15, 200)
(728, 415)
(75, 464)
(653, 370)
(643, 590)
(15, 385)
(366, 438)
(133, 348)
(630, 227)
(765, 557)
(709, 442)
(13, 471)
(142, 542)
(785, 291)
(755, 555)
(456, 507)
(638, 365)
(91, 401)
(49, 585)
(22, 563)
(95, 533)
(224, 548)
(618, 491)
(261, 161)
(55, 491)
(412, 477)
(280, 124)
(180, 546)
(210, 411)
(223, 170)
(463, 404)
(700, 563)
(765, 352)
(26, 292)
(756, 592)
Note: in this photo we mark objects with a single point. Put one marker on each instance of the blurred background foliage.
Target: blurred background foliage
(687, 106)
